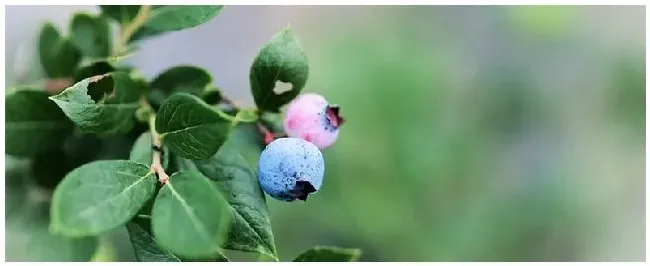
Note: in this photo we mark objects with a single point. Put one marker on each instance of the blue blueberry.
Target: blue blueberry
(290, 169)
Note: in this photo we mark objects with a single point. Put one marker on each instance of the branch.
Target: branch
(156, 145)
(131, 28)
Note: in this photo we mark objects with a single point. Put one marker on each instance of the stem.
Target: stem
(156, 162)
(128, 30)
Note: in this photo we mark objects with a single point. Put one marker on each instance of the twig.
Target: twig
(131, 28)
(156, 162)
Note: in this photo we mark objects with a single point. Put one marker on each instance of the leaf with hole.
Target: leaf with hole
(103, 104)
(190, 217)
(279, 72)
(163, 19)
(328, 254)
(236, 178)
(100, 196)
(190, 127)
(59, 57)
(33, 123)
(91, 35)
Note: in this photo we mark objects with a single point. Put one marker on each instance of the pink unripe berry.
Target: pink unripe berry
(312, 118)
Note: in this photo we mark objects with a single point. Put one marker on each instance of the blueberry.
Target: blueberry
(290, 169)
(312, 118)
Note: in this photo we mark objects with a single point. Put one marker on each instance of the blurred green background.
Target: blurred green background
(472, 133)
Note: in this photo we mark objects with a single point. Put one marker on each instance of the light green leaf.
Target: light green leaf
(328, 254)
(100, 196)
(92, 35)
(145, 246)
(190, 217)
(121, 14)
(103, 106)
(29, 240)
(190, 127)
(163, 19)
(142, 151)
(236, 177)
(59, 57)
(33, 123)
(279, 72)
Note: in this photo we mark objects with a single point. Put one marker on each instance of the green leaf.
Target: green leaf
(121, 14)
(59, 57)
(190, 217)
(29, 239)
(100, 196)
(250, 229)
(145, 246)
(92, 35)
(212, 95)
(279, 72)
(328, 254)
(190, 127)
(103, 106)
(188, 79)
(48, 169)
(142, 152)
(33, 124)
(163, 19)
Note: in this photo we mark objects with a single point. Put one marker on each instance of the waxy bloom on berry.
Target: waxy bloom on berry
(312, 118)
(290, 169)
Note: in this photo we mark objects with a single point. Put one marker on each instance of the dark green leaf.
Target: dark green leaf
(100, 196)
(279, 72)
(164, 19)
(121, 14)
(142, 152)
(103, 106)
(190, 217)
(328, 254)
(59, 57)
(93, 69)
(92, 35)
(145, 246)
(212, 95)
(28, 239)
(188, 79)
(190, 127)
(49, 168)
(250, 229)
(33, 123)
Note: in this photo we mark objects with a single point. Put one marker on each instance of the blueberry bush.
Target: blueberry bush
(99, 147)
